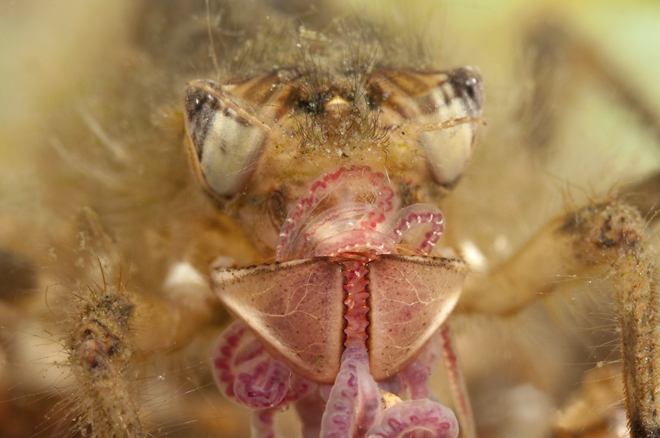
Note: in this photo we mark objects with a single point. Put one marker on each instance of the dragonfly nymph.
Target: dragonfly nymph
(336, 176)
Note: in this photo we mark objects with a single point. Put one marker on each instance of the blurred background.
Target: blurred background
(578, 139)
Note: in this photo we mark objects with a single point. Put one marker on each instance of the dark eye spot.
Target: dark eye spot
(314, 104)
(467, 83)
(469, 89)
(371, 103)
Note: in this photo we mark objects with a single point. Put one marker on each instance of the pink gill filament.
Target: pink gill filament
(417, 215)
(319, 190)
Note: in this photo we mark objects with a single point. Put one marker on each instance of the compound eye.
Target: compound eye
(453, 102)
(224, 146)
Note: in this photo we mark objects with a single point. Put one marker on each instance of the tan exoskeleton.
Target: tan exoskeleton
(418, 129)
(321, 149)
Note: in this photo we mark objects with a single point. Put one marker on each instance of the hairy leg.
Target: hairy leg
(608, 236)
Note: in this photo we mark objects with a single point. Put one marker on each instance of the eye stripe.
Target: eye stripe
(447, 91)
(414, 84)
(281, 104)
(430, 100)
(386, 89)
(200, 112)
(391, 95)
(433, 101)
(229, 113)
(258, 90)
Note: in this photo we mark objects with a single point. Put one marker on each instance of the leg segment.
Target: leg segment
(457, 383)
(606, 236)
(617, 232)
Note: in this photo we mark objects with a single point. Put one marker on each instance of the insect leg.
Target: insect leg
(457, 383)
(607, 236)
(110, 328)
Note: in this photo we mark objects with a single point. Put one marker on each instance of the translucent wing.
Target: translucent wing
(295, 308)
(410, 297)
